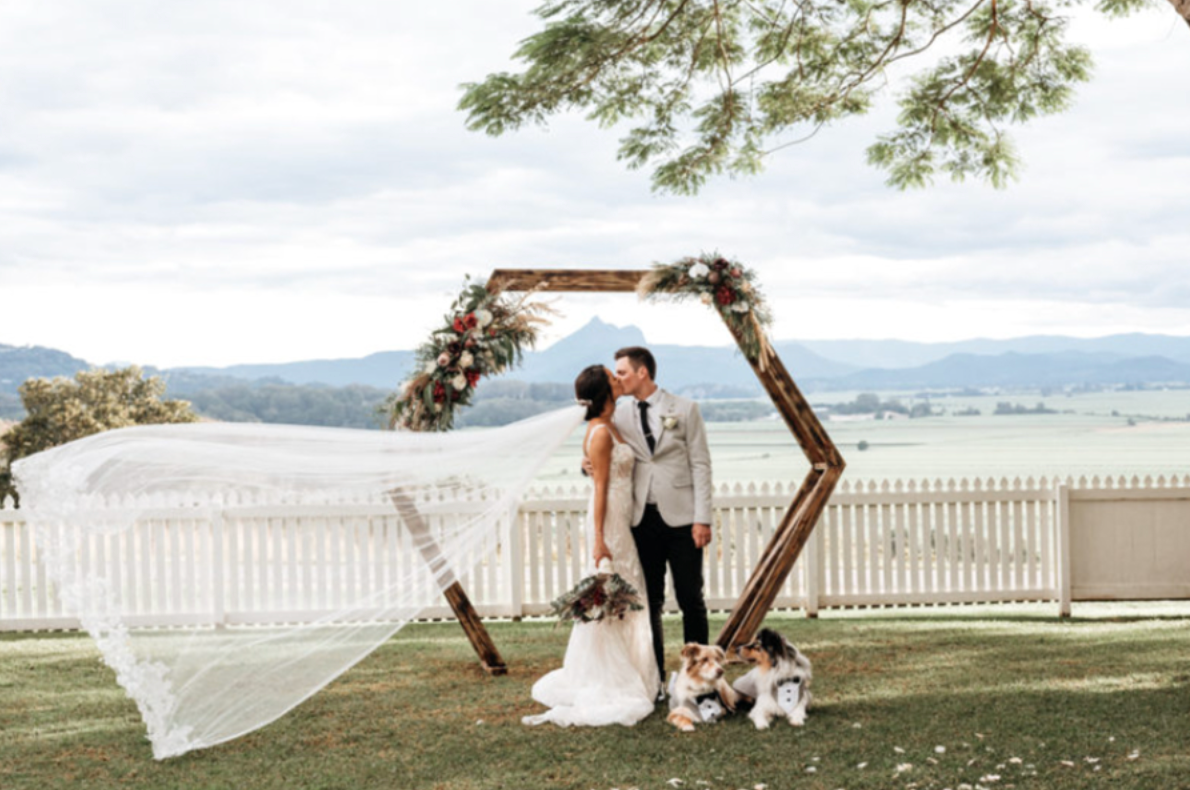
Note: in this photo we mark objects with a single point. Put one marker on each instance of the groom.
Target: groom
(671, 492)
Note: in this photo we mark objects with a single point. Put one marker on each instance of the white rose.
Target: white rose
(466, 360)
(484, 317)
(706, 298)
(740, 307)
(459, 382)
(699, 270)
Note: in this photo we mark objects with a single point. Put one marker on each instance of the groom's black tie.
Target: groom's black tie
(644, 424)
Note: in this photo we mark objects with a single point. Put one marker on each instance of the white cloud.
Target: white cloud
(173, 176)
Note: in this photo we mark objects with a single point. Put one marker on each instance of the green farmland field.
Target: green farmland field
(1089, 435)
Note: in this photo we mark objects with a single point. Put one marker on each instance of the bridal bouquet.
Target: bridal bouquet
(604, 596)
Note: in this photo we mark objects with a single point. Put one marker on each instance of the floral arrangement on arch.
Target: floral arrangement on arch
(484, 334)
(726, 285)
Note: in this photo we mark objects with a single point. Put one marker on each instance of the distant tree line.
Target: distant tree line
(870, 403)
(1004, 407)
(355, 406)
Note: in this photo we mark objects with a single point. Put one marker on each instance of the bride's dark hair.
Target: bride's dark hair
(593, 389)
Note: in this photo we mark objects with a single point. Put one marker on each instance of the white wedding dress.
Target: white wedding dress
(609, 674)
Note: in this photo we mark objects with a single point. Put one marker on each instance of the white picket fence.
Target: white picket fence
(878, 543)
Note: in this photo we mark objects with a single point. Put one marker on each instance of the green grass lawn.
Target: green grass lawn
(996, 697)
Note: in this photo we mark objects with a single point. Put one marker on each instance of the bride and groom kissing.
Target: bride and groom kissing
(650, 510)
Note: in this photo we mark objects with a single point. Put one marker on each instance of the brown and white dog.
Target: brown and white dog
(698, 693)
(779, 681)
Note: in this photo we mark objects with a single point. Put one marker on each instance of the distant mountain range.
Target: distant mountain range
(908, 354)
(1052, 361)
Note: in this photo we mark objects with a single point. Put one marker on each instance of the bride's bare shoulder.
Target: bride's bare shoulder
(597, 437)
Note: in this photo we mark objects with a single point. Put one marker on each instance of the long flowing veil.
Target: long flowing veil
(309, 601)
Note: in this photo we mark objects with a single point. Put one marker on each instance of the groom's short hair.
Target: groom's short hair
(639, 355)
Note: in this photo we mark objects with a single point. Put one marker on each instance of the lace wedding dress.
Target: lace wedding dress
(609, 674)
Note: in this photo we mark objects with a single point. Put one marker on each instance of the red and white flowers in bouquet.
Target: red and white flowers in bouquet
(604, 596)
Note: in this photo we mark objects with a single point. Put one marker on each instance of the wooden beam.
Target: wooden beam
(778, 559)
(444, 576)
(578, 280)
(795, 528)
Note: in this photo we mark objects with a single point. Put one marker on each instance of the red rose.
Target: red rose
(439, 392)
(724, 295)
(470, 321)
(720, 264)
(459, 326)
(472, 376)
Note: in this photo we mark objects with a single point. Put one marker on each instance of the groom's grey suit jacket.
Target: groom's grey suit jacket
(679, 470)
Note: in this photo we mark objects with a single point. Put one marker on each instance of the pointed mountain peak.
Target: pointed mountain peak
(598, 332)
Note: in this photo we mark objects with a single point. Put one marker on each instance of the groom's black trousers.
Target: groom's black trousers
(658, 544)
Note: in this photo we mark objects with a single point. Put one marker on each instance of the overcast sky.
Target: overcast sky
(213, 183)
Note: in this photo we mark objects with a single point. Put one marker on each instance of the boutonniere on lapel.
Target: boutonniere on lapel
(669, 421)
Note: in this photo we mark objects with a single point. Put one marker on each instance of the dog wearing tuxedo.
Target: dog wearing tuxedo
(779, 682)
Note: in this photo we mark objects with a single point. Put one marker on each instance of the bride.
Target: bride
(609, 674)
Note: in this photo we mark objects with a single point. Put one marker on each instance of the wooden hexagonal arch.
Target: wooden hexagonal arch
(826, 463)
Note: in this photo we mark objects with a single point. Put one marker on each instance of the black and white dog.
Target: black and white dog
(779, 682)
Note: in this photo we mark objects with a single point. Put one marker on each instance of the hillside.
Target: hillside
(18, 363)
(347, 391)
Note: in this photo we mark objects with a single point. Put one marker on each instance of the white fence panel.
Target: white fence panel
(878, 543)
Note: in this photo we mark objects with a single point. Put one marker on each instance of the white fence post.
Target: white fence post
(1063, 507)
(216, 570)
(814, 557)
(514, 564)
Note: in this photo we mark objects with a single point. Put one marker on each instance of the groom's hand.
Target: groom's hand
(588, 467)
(701, 534)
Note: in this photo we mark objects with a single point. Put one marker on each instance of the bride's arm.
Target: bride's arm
(600, 452)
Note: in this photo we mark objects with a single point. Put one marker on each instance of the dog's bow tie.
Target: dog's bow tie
(710, 707)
